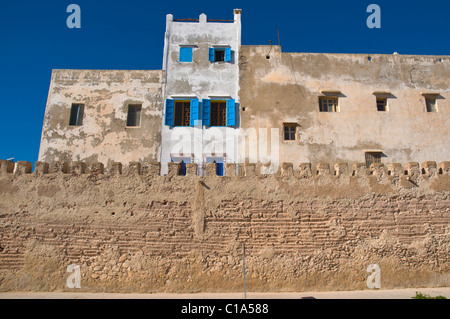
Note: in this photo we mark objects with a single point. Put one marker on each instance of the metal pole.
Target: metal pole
(243, 265)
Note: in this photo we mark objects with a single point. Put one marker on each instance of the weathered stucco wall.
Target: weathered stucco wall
(134, 230)
(104, 134)
(286, 88)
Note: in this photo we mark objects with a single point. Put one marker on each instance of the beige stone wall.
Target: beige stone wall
(131, 230)
(286, 88)
(104, 135)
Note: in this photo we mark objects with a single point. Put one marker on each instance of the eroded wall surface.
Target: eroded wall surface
(286, 87)
(103, 135)
(132, 230)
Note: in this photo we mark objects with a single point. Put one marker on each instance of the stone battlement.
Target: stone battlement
(412, 171)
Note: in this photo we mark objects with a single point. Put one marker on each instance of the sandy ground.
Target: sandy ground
(360, 294)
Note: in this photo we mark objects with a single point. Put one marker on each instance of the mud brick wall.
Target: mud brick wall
(304, 228)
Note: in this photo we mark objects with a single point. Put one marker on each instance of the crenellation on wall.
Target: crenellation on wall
(22, 168)
(97, 168)
(429, 168)
(230, 169)
(78, 168)
(191, 169)
(59, 167)
(115, 169)
(394, 169)
(444, 168)
(411, 171)
(134, 168)
(6, 166)
(341, 169)
(323, 169)
(360, 170)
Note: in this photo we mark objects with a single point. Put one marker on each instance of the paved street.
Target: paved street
(361, 294)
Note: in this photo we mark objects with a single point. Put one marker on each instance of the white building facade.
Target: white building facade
(201, 104)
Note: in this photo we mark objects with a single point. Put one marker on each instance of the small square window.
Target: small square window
(76, 115)
(431, 104)
(289, 131)
(134, 115)
(328, 104)
(185, 54)
(382, 105)
(372, 157)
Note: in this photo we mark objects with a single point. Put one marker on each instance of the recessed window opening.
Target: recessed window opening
(372, 157)
(431, 104)
(289, 131)
(328, 104)
(218, 113)
(76, 115)
(219, 55)
(382, 105)
(182, 113)
(134, 115)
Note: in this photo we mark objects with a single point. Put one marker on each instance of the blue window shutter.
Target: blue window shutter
(186, 54)
(231, 112)
(195, 112)
(219, 169)
(206, 116)
(211, 54)
(169, 111)
(227, 54)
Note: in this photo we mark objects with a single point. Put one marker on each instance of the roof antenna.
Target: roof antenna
(279, 43)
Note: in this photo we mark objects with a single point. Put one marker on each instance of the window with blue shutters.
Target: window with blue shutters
(219, 55)
(211, 55)
(206, 113)
(219, 112)
(228, 55)
(185, 54)
(231, 112)
(182, 112)
(170, 104)
(195, 112)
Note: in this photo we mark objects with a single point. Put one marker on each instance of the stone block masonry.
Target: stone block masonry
(305, 228)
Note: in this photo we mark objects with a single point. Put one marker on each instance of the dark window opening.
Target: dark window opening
(373, 157)
(431, 104)
(289, 130)
(328, 104)
(382, 105)
(218, 113)
(76, 115)
(219, 55)
(134, 115)
(182, 113)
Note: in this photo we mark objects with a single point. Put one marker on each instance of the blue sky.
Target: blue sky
(34, 39)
